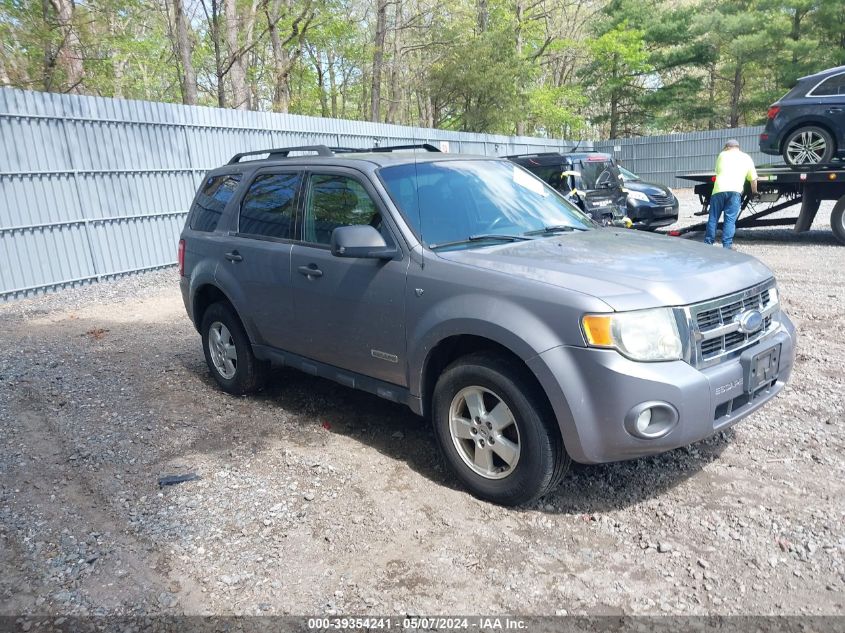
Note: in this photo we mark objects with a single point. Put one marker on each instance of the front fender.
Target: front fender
(496, 318)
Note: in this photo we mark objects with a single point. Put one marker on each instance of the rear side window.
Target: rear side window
(212, 199)
(831, 86)
(267, 208)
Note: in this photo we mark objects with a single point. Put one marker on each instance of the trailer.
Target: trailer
(779, 188)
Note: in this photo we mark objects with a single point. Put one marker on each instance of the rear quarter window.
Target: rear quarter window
(212, 199)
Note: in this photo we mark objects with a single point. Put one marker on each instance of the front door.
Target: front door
(350, 313)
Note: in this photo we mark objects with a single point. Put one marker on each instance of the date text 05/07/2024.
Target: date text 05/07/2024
(434, 623)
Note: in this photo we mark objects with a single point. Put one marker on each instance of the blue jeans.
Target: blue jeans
(726, 202)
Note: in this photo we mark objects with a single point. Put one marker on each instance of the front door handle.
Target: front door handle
(834, 110)
(234, 256)
(310, 271)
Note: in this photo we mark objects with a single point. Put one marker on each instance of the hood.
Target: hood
(648, 188)
(628, 270)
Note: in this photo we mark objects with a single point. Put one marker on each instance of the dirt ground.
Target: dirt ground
(316, 499)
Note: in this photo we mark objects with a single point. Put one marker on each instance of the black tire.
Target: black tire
(808, 136)
(837, 220)
(542, 460)
(249, 373)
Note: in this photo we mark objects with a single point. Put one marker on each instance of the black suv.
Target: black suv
(807, 125)
(588, 179)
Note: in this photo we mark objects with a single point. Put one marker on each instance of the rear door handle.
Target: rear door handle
(832, 110)
(234, 256)
(310, 271)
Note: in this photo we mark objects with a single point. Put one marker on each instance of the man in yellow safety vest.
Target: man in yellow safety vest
(733, 168)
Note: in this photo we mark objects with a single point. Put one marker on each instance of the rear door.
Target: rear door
(258, 253)
(831, 95)
(350, 313)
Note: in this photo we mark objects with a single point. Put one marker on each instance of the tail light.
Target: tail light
(180, 258)
(773, 112)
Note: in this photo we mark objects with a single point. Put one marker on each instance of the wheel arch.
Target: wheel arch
(451, 348)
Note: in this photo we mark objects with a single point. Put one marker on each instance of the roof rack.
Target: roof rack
(282, 152)
(323, 150)
(391, 148)
(534, 154)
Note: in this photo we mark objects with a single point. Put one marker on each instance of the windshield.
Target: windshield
(628, 175)
(454, 201)
(598, 174)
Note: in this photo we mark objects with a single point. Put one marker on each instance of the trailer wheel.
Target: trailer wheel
(837, 220)
(808, 147)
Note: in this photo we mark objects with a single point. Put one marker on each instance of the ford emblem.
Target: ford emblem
(750, 321)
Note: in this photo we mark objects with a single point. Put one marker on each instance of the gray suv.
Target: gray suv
(473, 292)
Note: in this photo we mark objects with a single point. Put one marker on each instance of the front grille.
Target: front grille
(716, 328)
(662, 200)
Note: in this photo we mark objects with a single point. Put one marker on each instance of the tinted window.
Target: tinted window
(267, 209)
(831, 86)
(212, 199)
(335, 201)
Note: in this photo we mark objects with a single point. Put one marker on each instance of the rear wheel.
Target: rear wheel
(495, 431)
(837, 220)
(228, 351)
(807, 147)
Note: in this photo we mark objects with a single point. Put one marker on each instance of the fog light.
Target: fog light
(651, 420)
(643, 420)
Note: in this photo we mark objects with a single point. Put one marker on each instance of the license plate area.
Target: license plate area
(761, 369)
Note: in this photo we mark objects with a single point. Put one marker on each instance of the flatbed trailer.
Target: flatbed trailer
(780, 188)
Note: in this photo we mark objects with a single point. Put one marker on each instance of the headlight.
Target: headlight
(638, 195)
(643, 335)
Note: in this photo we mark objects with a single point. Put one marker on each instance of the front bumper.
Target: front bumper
(647, 215)
(592, 391)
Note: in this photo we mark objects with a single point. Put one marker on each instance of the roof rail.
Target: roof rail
(282, 152)
(391, 148)
(534, 154)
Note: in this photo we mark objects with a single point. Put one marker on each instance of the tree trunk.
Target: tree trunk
(378, 60)
(188, 78)
(736, 92)
(711, 87)
(395, 75)
(218, 53)
(482, 16)
(237, 71)
(520, 9)
(69, 55)
(332, 82)
(321, 83)
(281, 61)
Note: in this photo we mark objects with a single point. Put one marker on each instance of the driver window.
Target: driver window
(334, 201)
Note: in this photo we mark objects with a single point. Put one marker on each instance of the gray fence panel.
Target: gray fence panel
(662, 158)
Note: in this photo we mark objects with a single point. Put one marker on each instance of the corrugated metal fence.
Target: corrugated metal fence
(662, 158)
(92, 188)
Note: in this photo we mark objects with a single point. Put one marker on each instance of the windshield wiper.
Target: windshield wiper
(554, 228)
(481, 238)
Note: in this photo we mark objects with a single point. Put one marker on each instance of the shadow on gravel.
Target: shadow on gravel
(781, 237)
(395, 432)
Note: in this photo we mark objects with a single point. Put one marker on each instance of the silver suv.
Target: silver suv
(473, 292)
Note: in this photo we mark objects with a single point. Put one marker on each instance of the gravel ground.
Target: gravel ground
(315, 499)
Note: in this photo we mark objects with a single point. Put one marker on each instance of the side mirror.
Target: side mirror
(362, 241)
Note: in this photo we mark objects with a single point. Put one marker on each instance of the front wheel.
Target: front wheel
(495, 431)
(808, 147)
